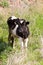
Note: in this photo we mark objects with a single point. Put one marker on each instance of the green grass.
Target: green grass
(36, 29)
(4, 3)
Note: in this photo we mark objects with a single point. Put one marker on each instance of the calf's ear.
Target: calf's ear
(27, 23)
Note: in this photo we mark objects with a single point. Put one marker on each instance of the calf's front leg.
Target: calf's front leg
(21, 42)
(26, 42)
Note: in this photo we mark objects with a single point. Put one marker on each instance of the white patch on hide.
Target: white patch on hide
(14, 30)
(21, 21)
(13, 17)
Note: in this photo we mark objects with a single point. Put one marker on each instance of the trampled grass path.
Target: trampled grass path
(17, 58)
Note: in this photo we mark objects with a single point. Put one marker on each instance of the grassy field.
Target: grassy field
(34, 55)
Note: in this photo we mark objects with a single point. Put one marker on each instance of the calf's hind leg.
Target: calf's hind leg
(10, 39)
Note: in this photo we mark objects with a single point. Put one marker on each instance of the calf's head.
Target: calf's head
(23, 30)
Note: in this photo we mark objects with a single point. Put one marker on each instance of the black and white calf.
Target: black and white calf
(18, 27)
